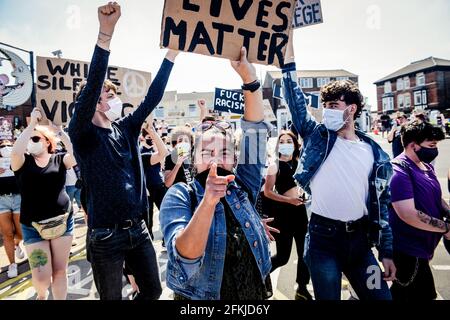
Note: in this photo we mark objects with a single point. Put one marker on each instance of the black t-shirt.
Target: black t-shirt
(153, 175)
(397, 147)
(181, 174)
(285, 178)
(8, 185)
(42, 189)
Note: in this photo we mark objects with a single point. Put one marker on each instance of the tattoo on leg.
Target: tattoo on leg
(38, 258)
(431, 221)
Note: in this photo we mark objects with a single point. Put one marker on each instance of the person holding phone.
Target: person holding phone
(290, 215)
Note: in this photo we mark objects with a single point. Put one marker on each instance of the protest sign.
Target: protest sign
(307, 13)
(58, 81)
(221, 28)
(229, 101)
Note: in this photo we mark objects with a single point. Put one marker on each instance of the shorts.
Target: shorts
(10, 203)
(32, 236)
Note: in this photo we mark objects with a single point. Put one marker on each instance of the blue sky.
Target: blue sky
(371, 38)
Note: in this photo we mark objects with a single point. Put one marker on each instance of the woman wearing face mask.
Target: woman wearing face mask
(289, 210)
(216, 243)
(418, 212)
(177, 166)
(41, 175)
(9, 210)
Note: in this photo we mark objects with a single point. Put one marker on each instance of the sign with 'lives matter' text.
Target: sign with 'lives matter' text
(221, 28)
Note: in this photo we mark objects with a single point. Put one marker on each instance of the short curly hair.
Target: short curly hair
(343, 90)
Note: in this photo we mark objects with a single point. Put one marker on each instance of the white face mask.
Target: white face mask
(115, 111)
(286, 149)
(334, 119)
(6, 152)
(35, 148)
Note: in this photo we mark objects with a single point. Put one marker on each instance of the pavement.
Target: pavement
(81, 285)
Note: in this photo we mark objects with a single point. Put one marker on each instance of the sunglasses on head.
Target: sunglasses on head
(222, 125)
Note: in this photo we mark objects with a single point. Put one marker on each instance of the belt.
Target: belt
(350, 226)
(124, 225)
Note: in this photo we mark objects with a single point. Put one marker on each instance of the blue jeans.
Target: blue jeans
(108, 249)
(330, 251)
(74, 193)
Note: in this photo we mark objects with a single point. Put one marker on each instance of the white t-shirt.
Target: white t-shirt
(340, 188)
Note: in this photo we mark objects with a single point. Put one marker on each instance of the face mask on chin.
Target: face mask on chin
(35, 148)
(334, 119)
(115, 111)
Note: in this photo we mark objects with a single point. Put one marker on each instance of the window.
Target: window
(401, 101)
(407, 100)
(387, 87)
(400, 84)
(417, 98)
(342, 78)
(159, 112)
(388, 104)
(406, 82)
(306, 83)
(322, 82)
(193, 110)
(420, 79)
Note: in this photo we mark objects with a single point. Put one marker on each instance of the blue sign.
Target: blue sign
(229, 101)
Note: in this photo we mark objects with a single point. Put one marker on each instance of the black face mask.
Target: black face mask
(201, 177)
(427, 155)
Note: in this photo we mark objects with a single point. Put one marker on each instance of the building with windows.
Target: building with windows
(423, 84)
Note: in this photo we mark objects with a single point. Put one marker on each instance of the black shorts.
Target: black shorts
(421, 286)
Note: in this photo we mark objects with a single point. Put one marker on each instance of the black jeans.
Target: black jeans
(156, 197)
(108, 249)
(292, 222)
(331, 250)
(416, 278)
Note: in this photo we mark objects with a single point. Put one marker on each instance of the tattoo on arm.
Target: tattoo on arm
(432, 221)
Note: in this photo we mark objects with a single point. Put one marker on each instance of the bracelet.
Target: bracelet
(252, 87)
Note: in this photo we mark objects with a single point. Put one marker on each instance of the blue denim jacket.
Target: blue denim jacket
(201, 279)
(318, 143)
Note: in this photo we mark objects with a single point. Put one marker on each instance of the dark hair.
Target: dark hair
(296, 153)
(344, 90)
(418, 132)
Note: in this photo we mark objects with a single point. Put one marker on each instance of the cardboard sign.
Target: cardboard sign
(307, 13)
(229, 101)
(58, 81)
(312, 100)
(221, 28)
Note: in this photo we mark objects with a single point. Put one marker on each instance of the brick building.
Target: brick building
(423, 84)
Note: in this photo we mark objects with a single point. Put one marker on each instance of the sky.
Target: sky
(371, 38)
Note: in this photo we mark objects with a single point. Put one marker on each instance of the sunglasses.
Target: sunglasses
(222, 125)
(35, 139)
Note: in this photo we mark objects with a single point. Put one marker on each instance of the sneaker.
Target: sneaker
(12, 270)
(19, 253)
(303, 294)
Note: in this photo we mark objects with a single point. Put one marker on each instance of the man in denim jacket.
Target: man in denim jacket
(196, 231)
(347, 175)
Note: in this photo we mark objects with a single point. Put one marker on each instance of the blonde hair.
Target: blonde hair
(49, 136)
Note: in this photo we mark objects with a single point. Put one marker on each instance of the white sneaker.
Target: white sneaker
(19, 253)
(12, 270)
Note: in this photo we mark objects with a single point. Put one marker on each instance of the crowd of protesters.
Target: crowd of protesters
(219, 208)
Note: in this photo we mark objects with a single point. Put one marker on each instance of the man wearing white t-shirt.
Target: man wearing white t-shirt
(347, 174)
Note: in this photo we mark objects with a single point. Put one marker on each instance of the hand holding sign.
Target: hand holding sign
(216, 186)
(108, 16)
(245, 69)
(35, 116)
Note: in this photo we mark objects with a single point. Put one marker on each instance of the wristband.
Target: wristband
(252, 87)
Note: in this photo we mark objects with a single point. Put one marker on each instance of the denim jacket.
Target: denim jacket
(201, 279)
(318, 143)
